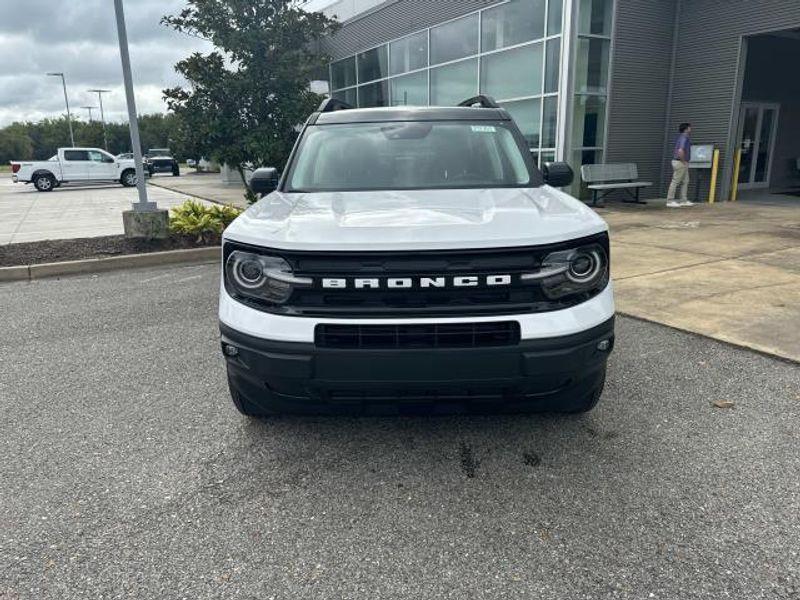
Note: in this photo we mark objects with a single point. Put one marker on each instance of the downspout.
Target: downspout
(668, 125)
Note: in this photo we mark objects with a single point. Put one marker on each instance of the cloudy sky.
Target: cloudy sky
(78, 37)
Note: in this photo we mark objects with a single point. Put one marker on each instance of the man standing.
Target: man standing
(680, 167)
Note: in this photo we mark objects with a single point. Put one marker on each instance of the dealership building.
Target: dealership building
(593, 81)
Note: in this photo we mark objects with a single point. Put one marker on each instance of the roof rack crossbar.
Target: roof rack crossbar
(482, 101)
(333, 104)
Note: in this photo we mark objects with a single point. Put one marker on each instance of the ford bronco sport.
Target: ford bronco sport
(415, 258)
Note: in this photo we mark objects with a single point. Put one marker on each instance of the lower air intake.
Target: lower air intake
(392, 337)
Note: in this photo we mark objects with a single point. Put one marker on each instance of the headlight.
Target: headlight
(575, 271)
(261, 277)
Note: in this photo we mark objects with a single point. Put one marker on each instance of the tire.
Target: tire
(176, 172)
(128, 178)
(242, 404)
(591, 399)
(44, 182)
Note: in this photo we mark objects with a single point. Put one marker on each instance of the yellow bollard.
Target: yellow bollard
(737, 164)
(712, 193)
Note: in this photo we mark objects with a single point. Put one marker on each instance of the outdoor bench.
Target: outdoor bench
(605, 179)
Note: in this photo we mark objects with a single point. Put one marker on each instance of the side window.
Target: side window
(76, 155)
(95, 156)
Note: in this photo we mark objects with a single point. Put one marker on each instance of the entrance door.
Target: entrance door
(758, 128)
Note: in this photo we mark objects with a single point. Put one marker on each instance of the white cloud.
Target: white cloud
(79, 38)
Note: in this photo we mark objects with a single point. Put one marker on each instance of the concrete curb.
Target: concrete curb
(112, 263)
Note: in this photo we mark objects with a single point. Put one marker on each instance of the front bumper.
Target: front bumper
(544, 374)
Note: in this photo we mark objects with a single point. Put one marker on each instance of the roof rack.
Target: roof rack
(482, 101)
(333, 104)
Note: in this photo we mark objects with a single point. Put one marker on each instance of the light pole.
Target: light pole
(89, 108)
(145, 220)
(66, 101)
(102, 114)
(143, 205)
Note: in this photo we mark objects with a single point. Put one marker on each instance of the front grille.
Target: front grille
(385, 337)
(450, 301)
(162, 163)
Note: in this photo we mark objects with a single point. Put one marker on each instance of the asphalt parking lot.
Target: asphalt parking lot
(126, 473)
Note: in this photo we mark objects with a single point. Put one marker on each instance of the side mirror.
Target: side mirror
(557, 174)
(264, 181)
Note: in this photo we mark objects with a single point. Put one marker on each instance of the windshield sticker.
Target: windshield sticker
(484, 129)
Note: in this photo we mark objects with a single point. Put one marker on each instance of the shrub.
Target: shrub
(203, 222)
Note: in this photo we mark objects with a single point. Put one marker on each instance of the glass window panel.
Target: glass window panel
(591, 69)
(552, 66)
(579, 189)
(594, 16)
(527, 115)
(373, 94)
(343, 73)
(454, 83)
(513, 73)
(373, 64)
(348, 96)
(512, 23)
(454, 40)
(410, 90)
(588, 128)
(550, 122)
(410, 53)
(555, 16)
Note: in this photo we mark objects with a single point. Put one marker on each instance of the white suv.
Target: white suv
(415, 258)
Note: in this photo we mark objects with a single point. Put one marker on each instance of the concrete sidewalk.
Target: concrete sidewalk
(69, 212)
(730, 271)
(206, 186)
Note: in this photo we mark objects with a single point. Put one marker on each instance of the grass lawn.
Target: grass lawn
(5, 168)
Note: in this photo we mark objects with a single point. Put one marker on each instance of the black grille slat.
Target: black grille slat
(388, 337)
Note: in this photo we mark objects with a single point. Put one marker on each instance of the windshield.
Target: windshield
(411, 155)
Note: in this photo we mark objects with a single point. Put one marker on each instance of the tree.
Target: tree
(247, 97)
(15, 144)
(41, 140)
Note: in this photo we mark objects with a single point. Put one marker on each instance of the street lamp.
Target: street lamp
(102, 114)
(145, 220)
(143, 205)
(66, 101)
(89, 108)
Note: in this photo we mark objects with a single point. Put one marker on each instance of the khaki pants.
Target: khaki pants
(680, 177)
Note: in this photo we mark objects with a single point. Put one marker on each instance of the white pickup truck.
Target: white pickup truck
(74, 165)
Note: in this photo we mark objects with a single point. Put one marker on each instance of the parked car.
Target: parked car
(74, 165)
(160, 160)
(415, 257)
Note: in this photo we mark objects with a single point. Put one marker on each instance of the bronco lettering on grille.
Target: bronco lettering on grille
(406, 283)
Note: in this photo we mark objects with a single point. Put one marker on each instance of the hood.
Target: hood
(415, 219)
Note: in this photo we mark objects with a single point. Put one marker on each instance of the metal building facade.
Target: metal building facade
(670, 61)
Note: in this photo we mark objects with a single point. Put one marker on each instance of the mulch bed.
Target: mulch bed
(30, 253)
